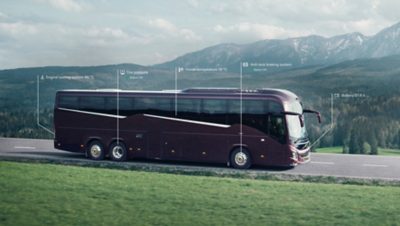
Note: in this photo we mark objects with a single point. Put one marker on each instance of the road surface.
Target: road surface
(336, 165)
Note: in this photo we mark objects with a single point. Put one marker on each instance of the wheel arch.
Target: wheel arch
(116, 139)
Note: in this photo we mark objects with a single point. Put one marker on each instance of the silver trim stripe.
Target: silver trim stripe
(188, 121)
(94, 113)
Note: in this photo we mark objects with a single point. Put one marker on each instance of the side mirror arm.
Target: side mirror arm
(314, 112)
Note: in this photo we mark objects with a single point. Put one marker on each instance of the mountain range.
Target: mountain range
(363, 71)
(298, 52)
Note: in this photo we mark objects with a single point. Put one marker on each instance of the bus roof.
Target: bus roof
(280, 93)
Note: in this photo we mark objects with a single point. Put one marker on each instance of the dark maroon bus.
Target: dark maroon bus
(239, 127)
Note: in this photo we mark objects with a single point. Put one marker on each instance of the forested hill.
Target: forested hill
(365, 94)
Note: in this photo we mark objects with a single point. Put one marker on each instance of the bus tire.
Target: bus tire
(118, 152)
(96, 150)
(240, 158)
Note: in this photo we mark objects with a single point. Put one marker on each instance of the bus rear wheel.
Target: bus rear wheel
(118, 152)
(96, 150)
(240, 158)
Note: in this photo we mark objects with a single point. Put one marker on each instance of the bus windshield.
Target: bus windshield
(295, 129)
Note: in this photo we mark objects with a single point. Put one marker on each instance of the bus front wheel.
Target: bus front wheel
(96, 150)
(240, 158)
(118, 152)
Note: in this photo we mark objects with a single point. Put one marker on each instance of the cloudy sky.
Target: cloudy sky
(84, 32)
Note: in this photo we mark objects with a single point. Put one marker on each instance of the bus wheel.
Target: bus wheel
(96, 150)
(240, 158)
(118, 152)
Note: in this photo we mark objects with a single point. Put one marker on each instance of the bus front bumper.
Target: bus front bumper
(300, 156)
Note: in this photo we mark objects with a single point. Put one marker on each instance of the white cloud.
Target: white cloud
(362, 26)
(255, 31)
(220, 7)
(107, 33)
(189, 35)
(193, 3)
(388, 9)
(171, 30)
(66, 5)
(17, 29)
(162, 24)
(147, 33)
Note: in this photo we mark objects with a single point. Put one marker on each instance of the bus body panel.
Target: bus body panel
(171, 137)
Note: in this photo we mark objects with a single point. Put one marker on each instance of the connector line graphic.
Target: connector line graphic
(176, 91)
(330, 127)
(37, 107)
(118, 106)
(241, 106)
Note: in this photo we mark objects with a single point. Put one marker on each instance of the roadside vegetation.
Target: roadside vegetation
(339, 150)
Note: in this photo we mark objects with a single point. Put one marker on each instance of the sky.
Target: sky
(83, 32)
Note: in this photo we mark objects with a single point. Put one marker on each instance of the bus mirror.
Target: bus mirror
(314, 112)
(319, 117)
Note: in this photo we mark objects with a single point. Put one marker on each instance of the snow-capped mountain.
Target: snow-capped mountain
(301, 51)
(384, 43)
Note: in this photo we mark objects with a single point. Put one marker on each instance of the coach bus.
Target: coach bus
(242, 128)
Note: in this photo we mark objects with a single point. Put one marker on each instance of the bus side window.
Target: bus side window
(189, 108)
(125, 106)
(95, 104)
(163, 106)
(254, 115)
(144, 105)
(277, 127)
(233, 113)
(214, 110)
(70, 102)
(153, 105)
(274, 107)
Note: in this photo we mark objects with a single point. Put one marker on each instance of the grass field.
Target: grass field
(42, 194)
(381, 151)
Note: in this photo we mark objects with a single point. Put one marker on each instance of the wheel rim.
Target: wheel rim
(117, 152)
(95, 151)
(241, 159)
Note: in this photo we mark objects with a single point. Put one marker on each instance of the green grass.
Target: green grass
(332, 150)
(389, 152)
(381, 151)
(44, 194)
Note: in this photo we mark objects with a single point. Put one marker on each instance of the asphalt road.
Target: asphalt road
(336, 165)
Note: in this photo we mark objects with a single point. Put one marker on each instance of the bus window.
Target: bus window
(70, 102)
(277, 127)
(189, 108)
(233, 113)
(233, 107)
(164, 104)
(144, 104)
(111, 103)
(189, 105)
(157, 106)
(88, 103)
(274, 107)
(125, 106)
(253, 107)
(212, 106)
(125, 103)
(214, 110)
(254, 115)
